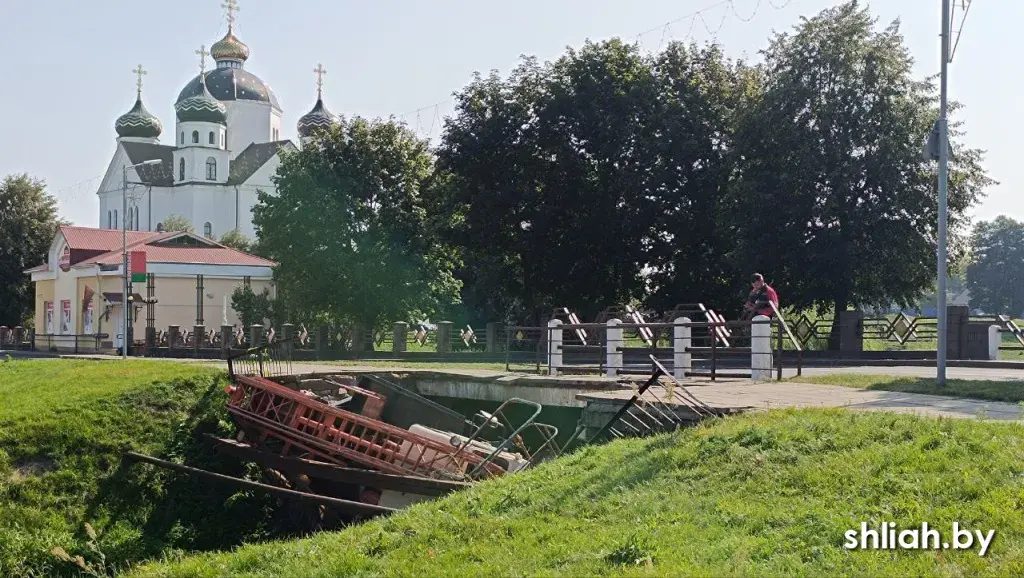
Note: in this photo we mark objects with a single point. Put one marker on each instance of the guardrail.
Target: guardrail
(611, 353)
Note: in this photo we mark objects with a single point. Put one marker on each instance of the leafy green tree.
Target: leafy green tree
(175, 223)
(237, 240)
(690, 165)
(834, 200)
(545, 175)
(995, 275)
(28, 224)
(253, 308)
(349, 230)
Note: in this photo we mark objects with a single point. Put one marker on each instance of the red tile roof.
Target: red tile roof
(210, 253)
(109, 240)
(91, 239)
(215, 255)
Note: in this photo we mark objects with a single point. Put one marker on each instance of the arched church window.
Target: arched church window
(208, 230)
(115, 218)
(195, 137)
(213, 138)
(110, 220)
(211, 169)
(182, 137)
(181, 170)
(221, 139)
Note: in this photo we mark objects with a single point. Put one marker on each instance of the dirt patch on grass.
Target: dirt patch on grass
(33, 467)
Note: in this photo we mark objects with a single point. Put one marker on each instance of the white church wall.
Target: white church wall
(248, 122)
(109, 192)
(215, 205)
(172, 200)
(261, 180)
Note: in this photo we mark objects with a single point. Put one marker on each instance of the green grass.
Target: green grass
(992, 390)
(764, 494)
(64, 425)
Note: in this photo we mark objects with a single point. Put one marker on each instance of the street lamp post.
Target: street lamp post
(125, 300)
(943, 142)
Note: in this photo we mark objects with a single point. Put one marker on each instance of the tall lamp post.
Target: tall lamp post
(943, 145)
(125, 300)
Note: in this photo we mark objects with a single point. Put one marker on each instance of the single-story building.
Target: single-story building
(79, 290)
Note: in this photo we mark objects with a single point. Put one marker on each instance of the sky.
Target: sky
(68, 64)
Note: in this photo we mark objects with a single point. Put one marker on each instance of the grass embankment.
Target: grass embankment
(763, 494)
(64, 425)
(990, 390)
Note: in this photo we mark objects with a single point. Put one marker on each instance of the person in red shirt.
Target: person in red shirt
(762, 295)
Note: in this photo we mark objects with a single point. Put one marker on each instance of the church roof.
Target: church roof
(230, 47)
(156, 175)
(138, 122)
(201, 107)
(228, 83)
(253, 158)
(318, 118)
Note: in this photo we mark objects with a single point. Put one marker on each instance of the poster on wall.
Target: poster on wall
(65, 316)
(87, 319)
(49, 318)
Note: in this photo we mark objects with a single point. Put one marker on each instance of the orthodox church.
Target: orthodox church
(226, 147)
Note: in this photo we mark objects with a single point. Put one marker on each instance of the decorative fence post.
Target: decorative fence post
(287, 334)
(358, 337)
(995, 339)
(682, 361)
(400, 337)
(495, 329)
(761, 349)
(198, 337)
(322, 332)
(554, 339)
(226, 335)
(613, 348)
(173, 336)
(255, 335)
(444, 336)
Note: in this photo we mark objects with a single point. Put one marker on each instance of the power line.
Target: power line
(665, 28)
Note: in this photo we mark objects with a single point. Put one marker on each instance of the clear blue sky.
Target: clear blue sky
(67, 64)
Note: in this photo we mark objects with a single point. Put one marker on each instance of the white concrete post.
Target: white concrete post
(613, 348)
(761, 349)
(682, 361)
(995, 339)
(554, 346)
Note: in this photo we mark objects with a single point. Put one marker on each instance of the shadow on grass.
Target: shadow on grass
(175, 511)
(1006, 391)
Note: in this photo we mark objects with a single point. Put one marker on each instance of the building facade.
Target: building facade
(79, 290)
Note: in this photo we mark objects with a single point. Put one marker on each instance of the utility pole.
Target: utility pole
(126, 301)
(940, 378)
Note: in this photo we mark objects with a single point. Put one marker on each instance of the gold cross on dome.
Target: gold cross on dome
(320, 72)
(202, 57)
(139, 72)
(230, 6)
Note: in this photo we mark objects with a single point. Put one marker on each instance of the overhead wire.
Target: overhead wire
(665, 29)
